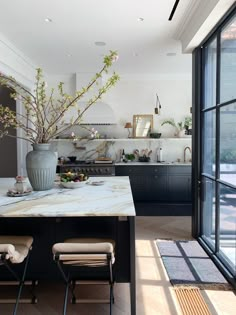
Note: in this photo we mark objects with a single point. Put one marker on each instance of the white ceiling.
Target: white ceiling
(78, 24)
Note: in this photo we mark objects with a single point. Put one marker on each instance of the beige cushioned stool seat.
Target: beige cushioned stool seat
(15, 247)
(86, 251)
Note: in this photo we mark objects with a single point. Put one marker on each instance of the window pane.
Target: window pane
(228, 144)
(228, 62)
(228, 224)
(208, 208)
(210, 75)
(209, 129)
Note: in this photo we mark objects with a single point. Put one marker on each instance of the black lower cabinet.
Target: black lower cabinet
(159, 190)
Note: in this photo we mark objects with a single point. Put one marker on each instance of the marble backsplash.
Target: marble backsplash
(172, 148)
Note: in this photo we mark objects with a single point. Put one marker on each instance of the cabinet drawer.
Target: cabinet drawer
(162, 170)
(179, 170)
(140, 170)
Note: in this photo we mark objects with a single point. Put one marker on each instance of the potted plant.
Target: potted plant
(130, 157)
(188, 125)
(42, 118)
(181, 126)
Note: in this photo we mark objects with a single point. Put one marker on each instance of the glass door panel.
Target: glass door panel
(210, 75)
(228, 144)
(228, 225)
(208, 211)
(228, 62)
(209, 128)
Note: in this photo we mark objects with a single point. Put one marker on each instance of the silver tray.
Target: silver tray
(13, 193)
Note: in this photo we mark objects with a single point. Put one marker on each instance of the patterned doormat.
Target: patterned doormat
(191, 301)
(187, 264)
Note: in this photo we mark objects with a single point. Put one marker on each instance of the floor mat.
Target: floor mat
(191, 301)
(187, 264)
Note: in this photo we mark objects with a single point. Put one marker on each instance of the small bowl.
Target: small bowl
(72, 158)
(74, 185)
(155, 135)
(144, 158)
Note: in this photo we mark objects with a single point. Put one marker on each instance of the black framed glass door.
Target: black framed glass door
(216, 145)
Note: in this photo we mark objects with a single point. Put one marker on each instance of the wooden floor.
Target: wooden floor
(155, 295)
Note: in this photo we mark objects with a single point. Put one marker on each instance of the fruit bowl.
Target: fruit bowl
(73, 185)
(73, 180)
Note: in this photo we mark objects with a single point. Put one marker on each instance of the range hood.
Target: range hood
(99, 113)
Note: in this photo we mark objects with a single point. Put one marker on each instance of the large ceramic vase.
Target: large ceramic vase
(41, 166)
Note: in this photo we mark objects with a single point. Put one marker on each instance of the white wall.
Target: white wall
(137, 95)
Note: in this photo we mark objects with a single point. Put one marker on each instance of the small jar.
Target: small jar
(20, 184)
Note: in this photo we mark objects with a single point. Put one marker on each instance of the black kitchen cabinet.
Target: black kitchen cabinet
(157, 183)
(160, 184)
(179, 183)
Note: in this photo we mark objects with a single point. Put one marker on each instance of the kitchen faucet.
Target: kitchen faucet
(185, 149)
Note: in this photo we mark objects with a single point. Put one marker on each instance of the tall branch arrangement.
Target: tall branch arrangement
(43, 117)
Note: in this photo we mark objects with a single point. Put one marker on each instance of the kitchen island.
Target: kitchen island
(90, 211)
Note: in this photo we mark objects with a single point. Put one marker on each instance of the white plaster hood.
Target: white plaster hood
(99, 113)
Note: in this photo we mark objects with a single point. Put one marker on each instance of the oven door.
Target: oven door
(91, 170)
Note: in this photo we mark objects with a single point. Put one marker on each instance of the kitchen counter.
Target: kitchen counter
(54, 215)
(114, 198)
(154, 163)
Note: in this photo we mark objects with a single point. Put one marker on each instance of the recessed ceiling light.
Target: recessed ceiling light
(48, 20)
(170, 54)
(100, 43)
(140, 19)
(68, 55)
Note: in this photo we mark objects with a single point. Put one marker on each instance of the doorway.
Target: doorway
(215, 139)
(8, 145)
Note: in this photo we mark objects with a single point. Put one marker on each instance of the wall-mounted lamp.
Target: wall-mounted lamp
(128, 125)
(157, 109)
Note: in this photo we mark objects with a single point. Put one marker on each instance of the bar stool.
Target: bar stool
(15, 250)
(86, 253)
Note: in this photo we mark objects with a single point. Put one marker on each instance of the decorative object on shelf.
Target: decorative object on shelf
(155, 135)
(42, 117)
(181, 127)
(142, 126)
(157, 109)
(188, 125)
(21, 184)
(128, 126)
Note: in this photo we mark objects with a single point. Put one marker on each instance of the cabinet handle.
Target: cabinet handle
(155, 176)
(155, 170)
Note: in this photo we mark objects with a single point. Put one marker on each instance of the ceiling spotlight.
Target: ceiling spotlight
(100, 43)
(48, 20)
(170, 54)
(140, 19)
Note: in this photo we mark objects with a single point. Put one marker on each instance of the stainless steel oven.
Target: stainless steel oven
(89, 168)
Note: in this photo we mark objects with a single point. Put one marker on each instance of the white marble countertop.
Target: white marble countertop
(113, 198)
(153, 163)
